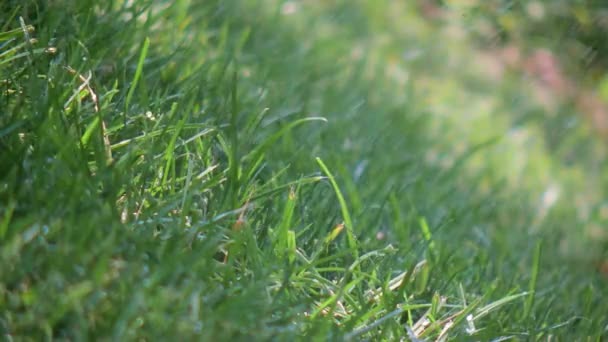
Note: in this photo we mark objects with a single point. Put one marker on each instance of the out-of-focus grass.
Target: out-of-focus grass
(274, 170)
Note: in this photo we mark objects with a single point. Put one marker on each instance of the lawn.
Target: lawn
(276, 170)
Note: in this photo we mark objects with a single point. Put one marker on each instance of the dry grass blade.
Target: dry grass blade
(85, 85)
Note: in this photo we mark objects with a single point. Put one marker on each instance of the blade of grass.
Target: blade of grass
(170, 150)
(496, 304)
(362, 330)
(331, 301)
(428, 236)
(529, 303)
(138, 72)
(281, 240)
(8, 214)
(234, 140)
(352, 240)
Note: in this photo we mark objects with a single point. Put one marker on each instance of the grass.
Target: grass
(234, 170)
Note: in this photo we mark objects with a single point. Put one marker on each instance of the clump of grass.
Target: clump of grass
(217, 170)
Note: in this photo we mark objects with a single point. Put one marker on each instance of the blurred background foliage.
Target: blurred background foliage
(546, 62)
(575, 30)
(565, 43)
(540, 68)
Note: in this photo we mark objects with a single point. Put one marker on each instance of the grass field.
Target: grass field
(267, 170)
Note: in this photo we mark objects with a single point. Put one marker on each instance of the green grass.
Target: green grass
(226, 170)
